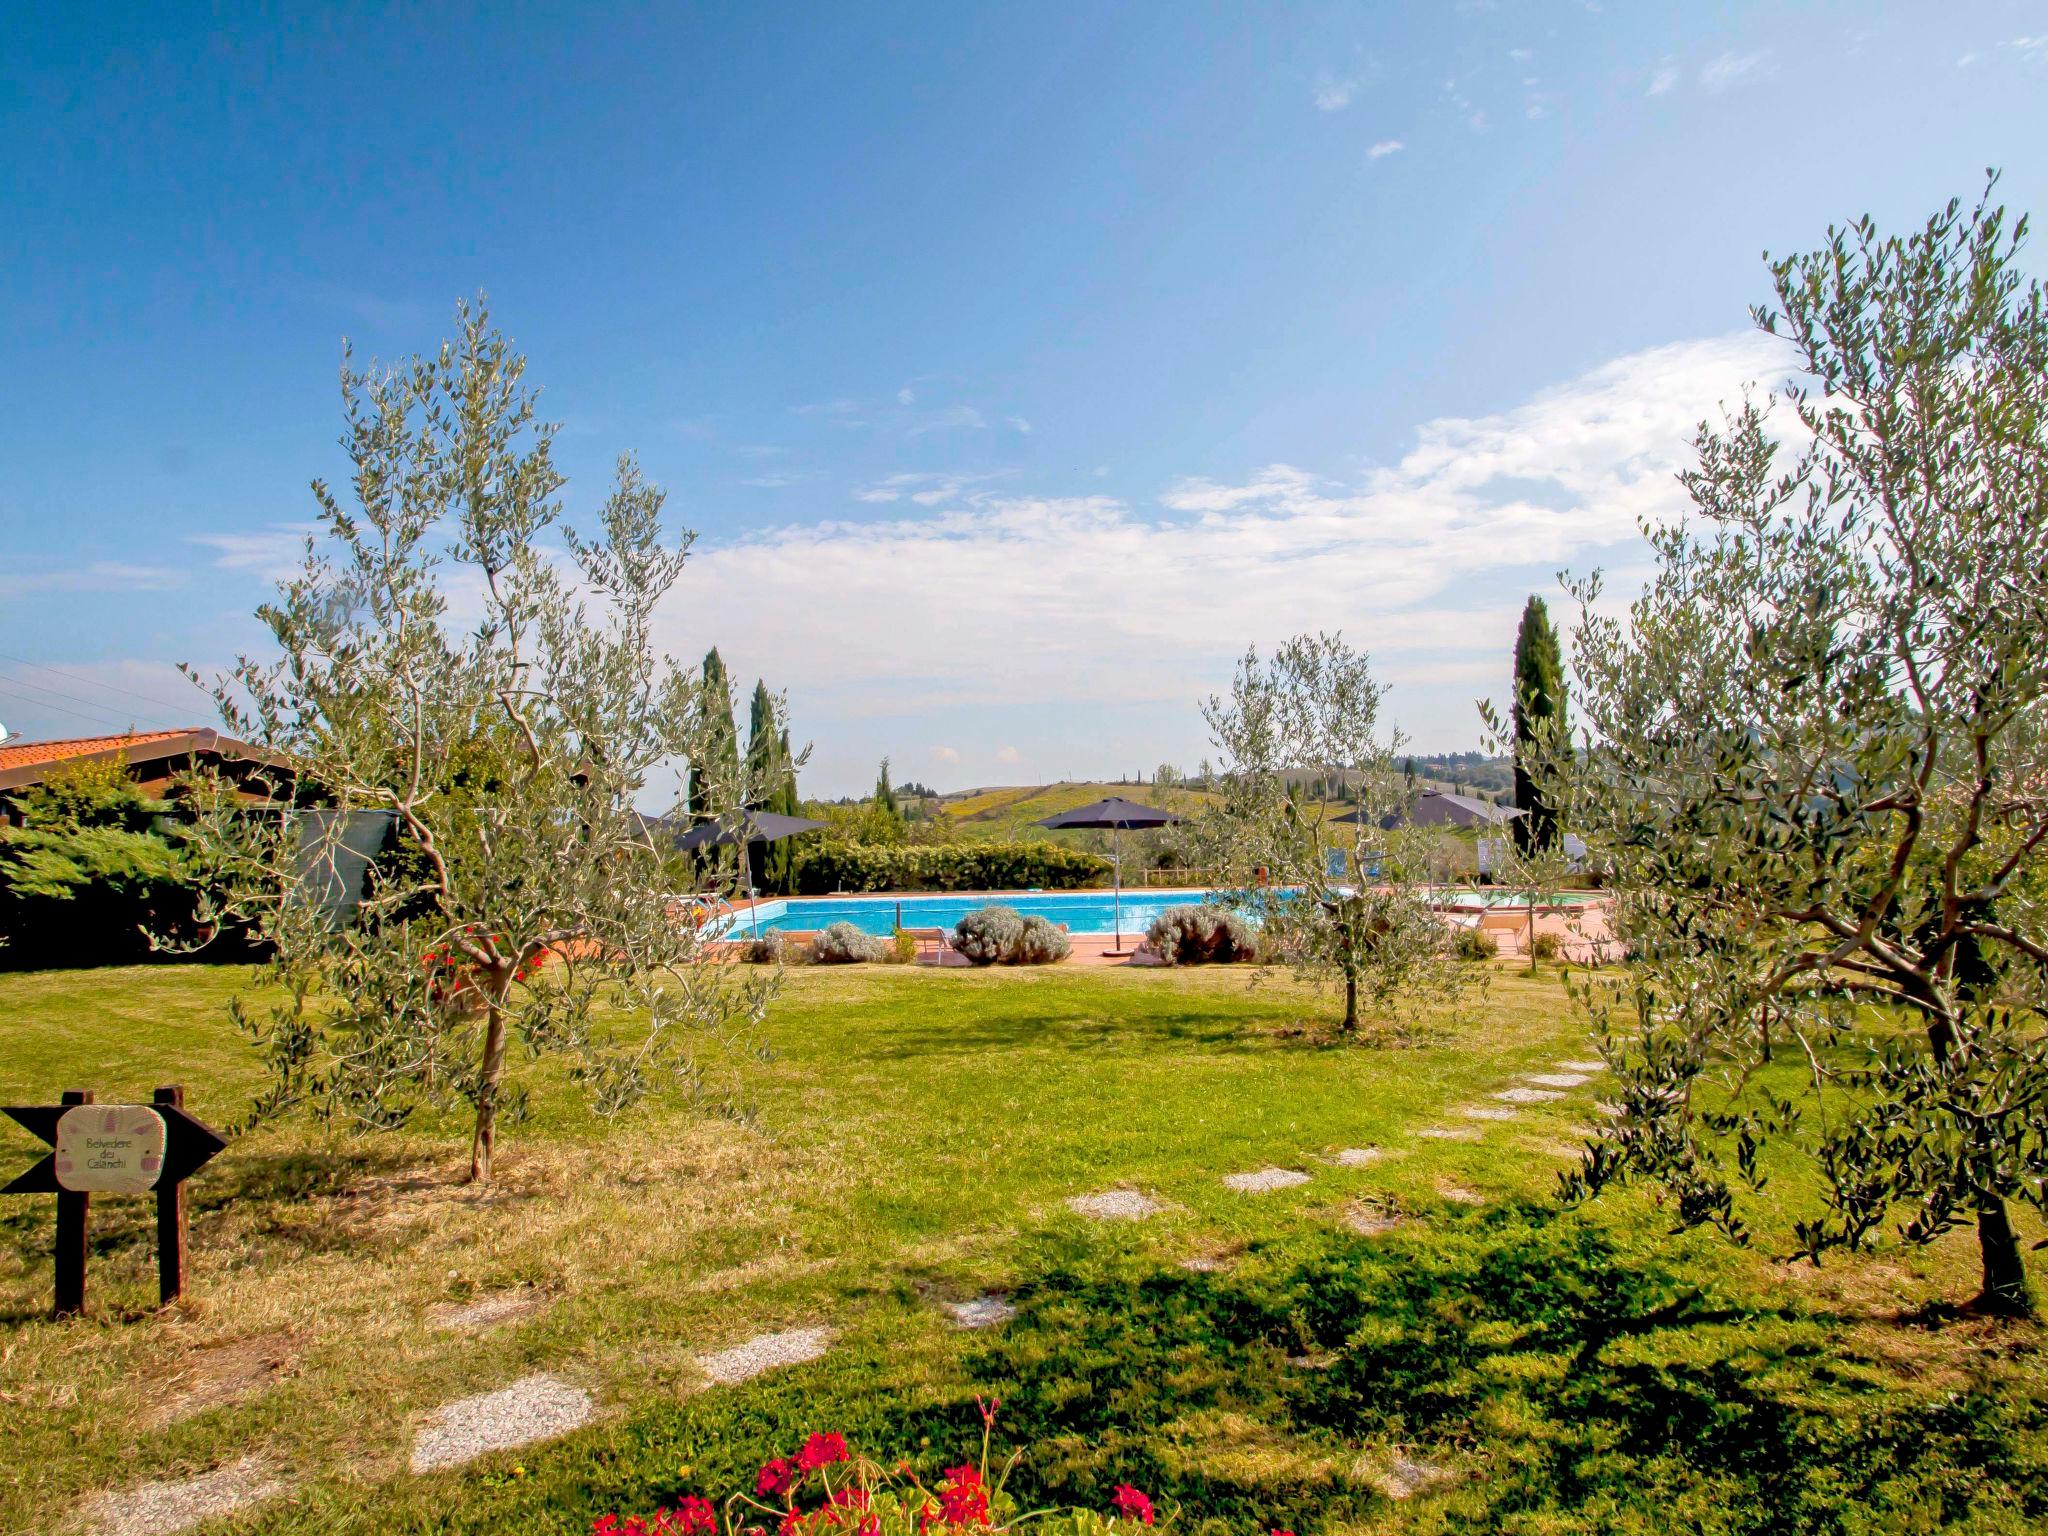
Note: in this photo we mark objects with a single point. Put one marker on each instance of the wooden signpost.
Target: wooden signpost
(122, 1149)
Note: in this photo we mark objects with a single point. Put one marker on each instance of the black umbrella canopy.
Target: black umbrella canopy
(1115, 812)
(751, 827)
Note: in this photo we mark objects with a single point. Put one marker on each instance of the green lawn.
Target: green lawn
(914, 1140)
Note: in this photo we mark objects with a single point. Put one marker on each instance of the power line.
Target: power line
(76, 678)
(24, 699)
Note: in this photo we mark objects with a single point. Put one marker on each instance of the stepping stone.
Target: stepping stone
(1265, 1179)
(1459, 1194)
(1612, 1111)
(1401, 1477)
(1359, 1157)
(1582, 1066)
(158, 1509)
(1371, 1221)
(745, 1361)
(981, 1312)
(1115, 1205)
(1205, 1264)
(538, 1407)
(1448, 1133)
(486, 1311)
(1485, 1112)
(1560, 1079)
(1528, 1095)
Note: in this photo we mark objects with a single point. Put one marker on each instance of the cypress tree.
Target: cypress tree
(712, 779)
(885, 796)
(762, 748)
(1539, 721)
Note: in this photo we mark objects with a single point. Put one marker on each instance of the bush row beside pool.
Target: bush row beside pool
(1000, 935)
(834, 867)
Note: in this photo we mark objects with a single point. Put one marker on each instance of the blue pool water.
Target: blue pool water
(1082, 911)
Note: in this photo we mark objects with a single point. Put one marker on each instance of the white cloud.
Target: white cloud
(272, 553)
(1966, 60)
(1521, 55)
(1019, 424)
(1729, 69)
(952, 419)
(2032, 49)
(1384, 148)
(945, 754)
(1000, 600)
(906, 396)
(1008, 756)
(99, 576)
(1665, 80)
(926, 489)
(1332, 94)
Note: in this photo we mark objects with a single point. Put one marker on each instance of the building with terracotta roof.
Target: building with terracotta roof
(154, 759)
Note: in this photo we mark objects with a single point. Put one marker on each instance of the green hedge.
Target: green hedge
(945, 867)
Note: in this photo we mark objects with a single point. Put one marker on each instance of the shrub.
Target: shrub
(1546, 946)
(1471, 944)
(1202, 935)
(989, 934)
(1041, 943)
(902, 947)
(832, 867)
(843, 944)
(776, 949)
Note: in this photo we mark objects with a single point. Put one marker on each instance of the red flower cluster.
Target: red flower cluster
(822, 1451)
(1130, 1504)
(963, 1501)
(692, 1516)
(776, 1478)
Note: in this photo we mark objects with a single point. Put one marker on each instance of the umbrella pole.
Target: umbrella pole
(1116, 834)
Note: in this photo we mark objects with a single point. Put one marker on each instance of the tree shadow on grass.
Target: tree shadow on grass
(1565, 1384)
(1569, 1385)
(1010, 1028)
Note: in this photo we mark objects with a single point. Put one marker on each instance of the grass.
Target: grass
(915, 1140)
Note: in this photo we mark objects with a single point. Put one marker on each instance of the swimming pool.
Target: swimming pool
(1082, 911)
(1090, 911)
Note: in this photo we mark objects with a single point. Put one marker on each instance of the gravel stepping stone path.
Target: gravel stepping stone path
(1582, 1066)
(981, 1312)
(1359, 1157)
(157, 1509)
(1115, 1205)
(486, 1311)
(1264, 1179)
(1460, 1195)
(1486, 1112)
(538, 1407)
(745, 1361)
(1612, 1111)
(1448, 1133)
(1560, 1079)
(1528, 1095)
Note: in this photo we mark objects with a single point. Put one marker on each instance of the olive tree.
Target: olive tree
(456, 658)
(1342, 900)
(1815, 759)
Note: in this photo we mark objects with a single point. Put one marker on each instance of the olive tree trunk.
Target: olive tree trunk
(493, 1070)
(2005, 1292)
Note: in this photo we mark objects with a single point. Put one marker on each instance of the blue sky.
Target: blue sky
(1017, 365)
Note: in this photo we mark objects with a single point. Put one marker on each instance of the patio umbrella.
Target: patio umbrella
(749, 827)
(753, 829)
(1115, 813)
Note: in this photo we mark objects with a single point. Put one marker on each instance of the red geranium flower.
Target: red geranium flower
(1132, 1505)
(692, 1516)
(776, 1478)
(962, 1499)
(822, 1451)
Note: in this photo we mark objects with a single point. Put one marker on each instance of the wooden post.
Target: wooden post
(170, 1221)
(74, 1208)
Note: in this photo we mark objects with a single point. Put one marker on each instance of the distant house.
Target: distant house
(154, 759)
(1441, 808)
